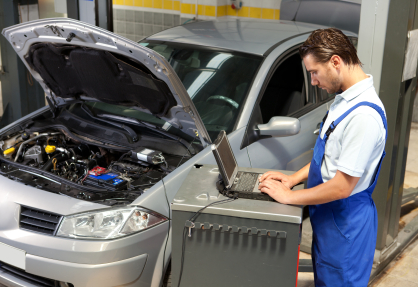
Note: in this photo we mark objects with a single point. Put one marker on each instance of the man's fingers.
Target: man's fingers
(270, 175)
(265, 190)
(268, 187)
(261, 185)
(265, 184)
(265, 175)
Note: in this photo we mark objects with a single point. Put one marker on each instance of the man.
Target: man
(345, 164)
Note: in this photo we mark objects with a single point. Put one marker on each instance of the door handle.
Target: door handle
(318, 127)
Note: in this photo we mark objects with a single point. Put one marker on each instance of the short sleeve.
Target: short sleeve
(361, 137)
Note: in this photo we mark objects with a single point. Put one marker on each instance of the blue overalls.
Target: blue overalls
(345, 230)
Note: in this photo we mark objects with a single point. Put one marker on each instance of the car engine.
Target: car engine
(60, 164)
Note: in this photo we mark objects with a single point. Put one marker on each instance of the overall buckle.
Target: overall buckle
(330, 129)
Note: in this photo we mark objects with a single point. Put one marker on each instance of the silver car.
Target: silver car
(87, 181)
(342, 14)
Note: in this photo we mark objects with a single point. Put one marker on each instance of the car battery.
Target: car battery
(110, 181)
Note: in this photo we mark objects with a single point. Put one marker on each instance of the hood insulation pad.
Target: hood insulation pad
(71, 71)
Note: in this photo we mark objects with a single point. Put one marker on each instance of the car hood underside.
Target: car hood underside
(71, 71)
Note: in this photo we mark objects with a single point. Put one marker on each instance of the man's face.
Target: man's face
(323, 75)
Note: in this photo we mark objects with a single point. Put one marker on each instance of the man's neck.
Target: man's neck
(352, 75)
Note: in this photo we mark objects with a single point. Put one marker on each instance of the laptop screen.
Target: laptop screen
(226, 161)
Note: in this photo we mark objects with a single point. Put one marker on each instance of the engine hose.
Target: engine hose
(60, 157)
(30, 140)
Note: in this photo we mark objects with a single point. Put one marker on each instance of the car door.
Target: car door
(287, 91)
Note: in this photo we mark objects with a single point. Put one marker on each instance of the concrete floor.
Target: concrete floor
(401, 272)
(304, 279)
(411, 171)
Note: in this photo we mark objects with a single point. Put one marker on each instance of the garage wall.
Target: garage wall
(261, 9)
(135, 19)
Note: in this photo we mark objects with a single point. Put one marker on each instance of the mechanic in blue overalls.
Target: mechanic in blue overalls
(345, 166)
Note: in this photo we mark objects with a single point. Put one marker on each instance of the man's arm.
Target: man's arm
(339, 187)
(301, 175)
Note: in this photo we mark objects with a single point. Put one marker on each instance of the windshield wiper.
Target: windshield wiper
(149, 126)
(130, 131)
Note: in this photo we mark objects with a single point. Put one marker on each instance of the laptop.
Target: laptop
(235, 183)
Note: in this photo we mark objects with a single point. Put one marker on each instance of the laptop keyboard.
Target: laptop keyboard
(246, 182)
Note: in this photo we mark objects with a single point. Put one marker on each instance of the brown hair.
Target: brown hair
(322, 44)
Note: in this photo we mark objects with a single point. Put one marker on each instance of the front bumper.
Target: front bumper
(129, 261)
(125, 272)
(132, 260)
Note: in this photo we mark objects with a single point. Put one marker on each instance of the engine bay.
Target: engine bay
(55, 162)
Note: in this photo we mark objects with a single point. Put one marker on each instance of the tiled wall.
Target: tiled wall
(136, 19)
(261, 9)
(135, 25)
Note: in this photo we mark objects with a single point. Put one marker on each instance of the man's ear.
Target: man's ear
(336, 61)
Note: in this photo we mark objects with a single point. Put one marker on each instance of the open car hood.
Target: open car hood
(73, 60)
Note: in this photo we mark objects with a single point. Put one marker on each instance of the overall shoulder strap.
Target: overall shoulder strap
(323, 122)
(334, 124)
(325, 117)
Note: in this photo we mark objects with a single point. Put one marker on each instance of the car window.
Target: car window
(216, 80)
(354, 41)
(311, 91)
(288, 91)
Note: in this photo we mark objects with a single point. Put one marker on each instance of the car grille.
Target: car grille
(30, 278)
(39, 221)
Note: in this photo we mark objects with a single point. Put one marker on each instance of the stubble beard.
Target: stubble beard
(335, 83)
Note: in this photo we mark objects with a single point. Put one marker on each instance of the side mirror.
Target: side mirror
(280, 127)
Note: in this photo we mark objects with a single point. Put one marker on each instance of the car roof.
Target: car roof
(248, 36)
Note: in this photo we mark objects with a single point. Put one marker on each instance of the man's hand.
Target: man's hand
(276, 189)
(286, 180)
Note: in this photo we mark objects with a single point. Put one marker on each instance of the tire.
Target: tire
(168, 277)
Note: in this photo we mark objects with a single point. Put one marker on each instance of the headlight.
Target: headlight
(108, 224)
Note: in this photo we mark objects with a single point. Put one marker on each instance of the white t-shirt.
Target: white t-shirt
(357, 143)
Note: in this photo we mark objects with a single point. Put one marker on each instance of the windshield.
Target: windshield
(217, 81)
